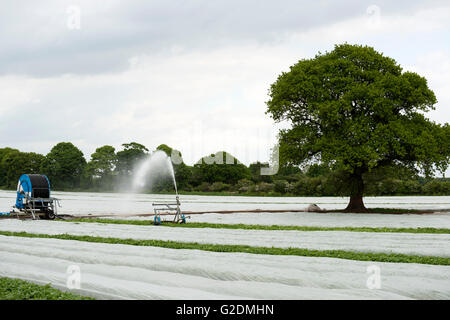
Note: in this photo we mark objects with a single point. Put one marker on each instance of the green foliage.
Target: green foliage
(357, 110)
(183, 175)
(164, 147)
(436, 187)
(105, 170)
(287, 170)
(128, 157)
(311, 186)
(64, 165)
(255, 172)
(14, 163)
(264, 187)
(281, 186)
(245, 185)
(219, 186)
(101, 167)
(318, 169)
(220, 167)
(268, 227)
(203, 187)
(103, 161)
(16, 289)
(4, 167)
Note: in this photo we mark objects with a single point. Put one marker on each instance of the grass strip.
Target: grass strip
(263, 227)
(340, 254)
(392, 211)
(17, 289)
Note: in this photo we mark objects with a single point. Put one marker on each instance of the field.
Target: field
(16, 289)
(234, 256)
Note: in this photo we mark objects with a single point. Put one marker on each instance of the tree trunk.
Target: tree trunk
(356, 203)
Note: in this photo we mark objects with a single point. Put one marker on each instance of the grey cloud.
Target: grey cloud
(36, 41)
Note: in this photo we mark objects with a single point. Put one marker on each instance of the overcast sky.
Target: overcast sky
(193, 74)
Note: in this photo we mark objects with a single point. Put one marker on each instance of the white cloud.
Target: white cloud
(223, 90)
(435, 67)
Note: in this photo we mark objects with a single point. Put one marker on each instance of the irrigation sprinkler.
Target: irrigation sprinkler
(33, 199)
(171, 208)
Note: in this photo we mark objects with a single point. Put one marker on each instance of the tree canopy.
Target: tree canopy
(220, 167)
(102, 165)
(129, 156)
(64, 165)
(356, 110)
(14, 163)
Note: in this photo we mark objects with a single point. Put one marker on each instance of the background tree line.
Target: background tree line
(107, 168)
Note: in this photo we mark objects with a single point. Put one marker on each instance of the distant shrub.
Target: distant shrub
(264, 187)
(310, 186)
(245, 185)
(436, 187)
(281, 186)
(300, 187)
(410, 187)
(203, 187)
(219, 186)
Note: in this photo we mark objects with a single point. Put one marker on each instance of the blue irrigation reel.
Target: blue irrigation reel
(33, 198)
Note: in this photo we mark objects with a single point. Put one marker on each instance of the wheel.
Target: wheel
(50, 215)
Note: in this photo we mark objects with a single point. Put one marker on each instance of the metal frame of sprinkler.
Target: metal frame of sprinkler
(168, 207)
(33, 208)
(33, 199)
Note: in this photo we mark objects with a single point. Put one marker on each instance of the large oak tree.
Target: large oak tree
(357, 110)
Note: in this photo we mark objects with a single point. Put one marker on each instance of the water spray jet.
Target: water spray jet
(155, 167)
